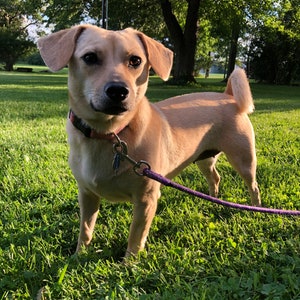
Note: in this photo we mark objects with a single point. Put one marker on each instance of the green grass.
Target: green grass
(196, 250)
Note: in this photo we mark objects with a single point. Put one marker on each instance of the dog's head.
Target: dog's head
(108, 70)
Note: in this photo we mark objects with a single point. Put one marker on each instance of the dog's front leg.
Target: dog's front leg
(89, 208)
(143, 214)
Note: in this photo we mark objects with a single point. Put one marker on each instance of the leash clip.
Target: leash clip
(138, 167)
(120, 150)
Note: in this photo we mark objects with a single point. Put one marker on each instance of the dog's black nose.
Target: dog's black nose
(116, 91)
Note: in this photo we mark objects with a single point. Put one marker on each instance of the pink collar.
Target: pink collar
(90, 132)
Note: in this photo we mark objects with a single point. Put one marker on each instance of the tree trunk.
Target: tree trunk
(185, 42)
(9, 66)
(235, 33)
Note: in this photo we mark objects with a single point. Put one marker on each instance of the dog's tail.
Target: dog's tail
(238, 87)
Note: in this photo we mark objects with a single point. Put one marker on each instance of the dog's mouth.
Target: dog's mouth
(110, 110)
(114, 110)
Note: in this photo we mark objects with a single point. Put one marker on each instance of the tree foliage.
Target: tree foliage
(15, 17)
(13, 45)
(66, 13)
(276, 46)
(127, 13)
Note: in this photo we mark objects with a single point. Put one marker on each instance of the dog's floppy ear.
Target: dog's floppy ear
(57, 48)
(160, 57)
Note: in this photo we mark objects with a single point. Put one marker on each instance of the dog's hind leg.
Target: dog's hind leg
(208, 169)
(89, 208)
(244, 162)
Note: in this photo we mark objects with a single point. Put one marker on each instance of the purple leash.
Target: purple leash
(167, 182)
(142, 168)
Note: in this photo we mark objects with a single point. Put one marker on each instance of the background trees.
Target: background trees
(276, 46)
(263, 36)
(15, 18)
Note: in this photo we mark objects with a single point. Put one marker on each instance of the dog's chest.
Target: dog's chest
(92, 166)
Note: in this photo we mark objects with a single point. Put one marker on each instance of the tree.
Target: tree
(232, 21)
(13, 45)
(15, 17)
(205, 54)
(184, 39)
(64, 14)
(276, 47)
(128, 13)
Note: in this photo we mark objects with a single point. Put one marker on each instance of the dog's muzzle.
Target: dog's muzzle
(113, 100)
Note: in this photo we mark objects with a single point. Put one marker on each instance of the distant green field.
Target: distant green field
(196, 250)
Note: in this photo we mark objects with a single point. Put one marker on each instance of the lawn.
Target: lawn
(195, 250)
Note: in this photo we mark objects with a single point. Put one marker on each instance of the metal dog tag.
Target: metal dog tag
(120, 150)
(116, 162)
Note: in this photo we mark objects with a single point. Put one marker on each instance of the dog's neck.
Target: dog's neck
(90, 132)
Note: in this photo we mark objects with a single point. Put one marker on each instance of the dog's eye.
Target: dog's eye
(90, 58)
(134, 61)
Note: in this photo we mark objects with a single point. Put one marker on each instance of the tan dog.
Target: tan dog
(108, 76)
